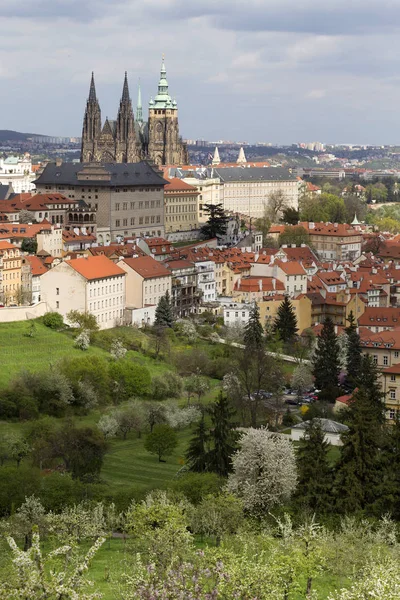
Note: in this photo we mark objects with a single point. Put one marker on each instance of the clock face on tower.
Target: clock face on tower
(159, 128)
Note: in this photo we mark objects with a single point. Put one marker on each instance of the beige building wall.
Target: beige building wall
(63, 289)
(209, 193)
(302, 308)
(51, 242)
(181, 209)
(141, 292)
(249, 197)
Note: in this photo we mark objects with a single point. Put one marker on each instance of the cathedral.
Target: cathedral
(129, 140)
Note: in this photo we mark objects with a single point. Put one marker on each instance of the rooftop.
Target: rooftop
(147, 267)
(95, 267)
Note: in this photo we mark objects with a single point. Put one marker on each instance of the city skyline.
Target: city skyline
(274, 72)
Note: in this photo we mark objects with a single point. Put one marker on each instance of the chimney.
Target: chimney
(293, 246)
(302, 245)
(274, 283)
(58, 162)
(335, 224)
(260, 286)
(311, 225)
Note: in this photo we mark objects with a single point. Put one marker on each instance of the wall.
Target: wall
(22, 313)
(140, 316)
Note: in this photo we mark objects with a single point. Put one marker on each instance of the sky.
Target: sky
(278, 71)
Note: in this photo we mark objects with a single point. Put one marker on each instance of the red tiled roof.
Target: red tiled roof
(37, 267)
(290, 268)
(178, 185)
(6, 246)
(388, 317)
(147, 267)
(259, 284)
(95, 267)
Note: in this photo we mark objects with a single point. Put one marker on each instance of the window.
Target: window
(396, 354)
(132, 205)
(117, 206)
(385, 361)
(392, 414)
(57, 291)
(124, 205)
(132, 220)
(393, 378)
(125, 222)
(375, 359)
(57, 304)
(393, 394)
(117, 223)
(140, 220)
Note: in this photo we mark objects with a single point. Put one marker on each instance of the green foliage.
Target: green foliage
(217, 221)
(164, 312)
(197, 453)
(325, 207)
(83, 320)
(326, 362)
(89, 370)
(294, 235)
(253, 331)
(315, 477)
(218, 516)
(15, 484)
(290, 216)
(161, 441)
(285, 323)
(222, 437)
(29, 245)
(195, 486)
(129, 379)
(168, 385)
(53, 320)
(354, 352)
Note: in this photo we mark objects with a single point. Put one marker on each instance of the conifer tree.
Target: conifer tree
(164, 313)
(253, 332)
(390, 499)
(359, 478)
(217, 221)
(222, 437)
(326, 362)
(285, 323)
(315, 477)
(354, 354)
(197, 454)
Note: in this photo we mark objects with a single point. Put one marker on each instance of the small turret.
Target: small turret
(139, 110)
(241, 157)
(216, 160)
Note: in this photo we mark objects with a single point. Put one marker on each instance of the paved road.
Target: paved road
(284, 357)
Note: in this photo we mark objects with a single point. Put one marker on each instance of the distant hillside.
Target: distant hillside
(6, 134)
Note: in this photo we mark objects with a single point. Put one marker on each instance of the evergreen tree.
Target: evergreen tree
(164, 313)
(359, 478)
(390, 499)
(217, 221)
(326, 362)
(285, 323)
(354, 354)
(315, 477)
(196, 454)
(253, 332)
(222, 436)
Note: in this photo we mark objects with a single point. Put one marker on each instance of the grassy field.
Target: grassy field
(18, 351)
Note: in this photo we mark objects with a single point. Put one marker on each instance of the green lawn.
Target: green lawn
(17, 351)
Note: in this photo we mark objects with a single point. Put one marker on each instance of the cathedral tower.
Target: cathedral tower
(164, 144)
(91, 125)
(127, 147)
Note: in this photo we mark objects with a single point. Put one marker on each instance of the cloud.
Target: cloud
(245, 69)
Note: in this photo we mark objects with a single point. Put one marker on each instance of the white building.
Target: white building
(331, 429)
(206, 280)
(236, 313)
(92, 284)
(209, 189)
(51, 241)
(17, 171)
(147, 281)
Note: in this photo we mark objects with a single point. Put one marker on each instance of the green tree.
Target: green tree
(53, 320)
(354, 352)
(162, 441)
(83, 320)
(29, 245)
(197, 452)
(294, 235)
(315, 477)
(218, 516)
(217, 221)
(326, 362)
(128, 379)
(359, 471)
(285, 323)
(290, 216)
(164, 313)
(222, 437)
(253, 331)
(263, 223)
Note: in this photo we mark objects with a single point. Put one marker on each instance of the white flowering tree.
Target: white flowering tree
(30, 514)
(82, 341)
(302, 378)
(108, 425)
(117, 350)
(79, 522)
(264, 470)
(187, 330)
(380, 580)
(31, 576)
(178, 418)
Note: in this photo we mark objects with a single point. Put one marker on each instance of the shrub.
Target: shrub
(53, 320)
(195, 486)
(129, 379)
(82, 341)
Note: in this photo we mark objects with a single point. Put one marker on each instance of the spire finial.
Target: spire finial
(92, 91)
(125, 90)
(139, 112)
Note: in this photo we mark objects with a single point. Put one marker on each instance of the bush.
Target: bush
(195, 486)
(168, 385)
(83, 320)
(15, 484)
(53, 320)
(129, 379)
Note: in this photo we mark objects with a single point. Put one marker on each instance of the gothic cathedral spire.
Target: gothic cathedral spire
(139, 109)
(91, 125)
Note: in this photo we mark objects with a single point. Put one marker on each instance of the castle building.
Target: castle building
(129, 140)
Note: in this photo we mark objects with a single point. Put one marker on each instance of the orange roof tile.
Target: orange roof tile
(178, 185)
(37, 267)
(147, 267)
(95, 267)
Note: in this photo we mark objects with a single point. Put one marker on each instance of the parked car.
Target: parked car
(292, 401)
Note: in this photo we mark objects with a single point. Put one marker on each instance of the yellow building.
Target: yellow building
(301, 305)
(181, 200)
(11, 274)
